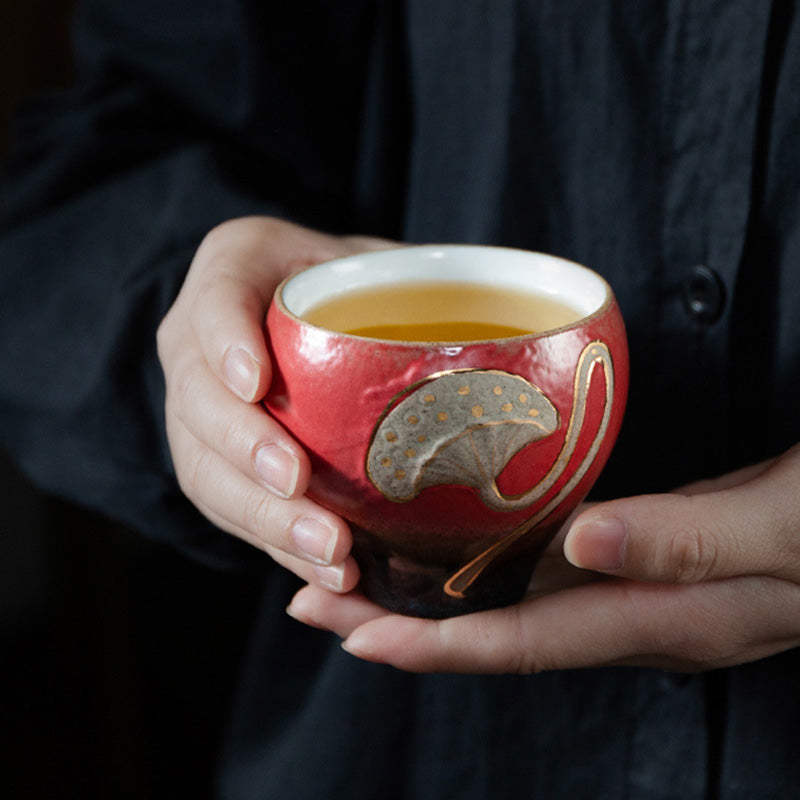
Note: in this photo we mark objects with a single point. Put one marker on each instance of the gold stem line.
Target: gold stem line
(458, 584)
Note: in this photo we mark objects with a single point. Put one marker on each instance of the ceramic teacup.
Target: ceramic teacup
(454, 460)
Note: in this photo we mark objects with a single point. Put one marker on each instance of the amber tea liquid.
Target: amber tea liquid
(441, 312)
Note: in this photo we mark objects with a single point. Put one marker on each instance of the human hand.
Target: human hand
(232, 460)
(706, 577)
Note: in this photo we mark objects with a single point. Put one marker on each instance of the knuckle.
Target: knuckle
(510, 652)
(528, 663)
(690, 557)
(220, 235)
(210, 288)
(786, 551)
(231, 440)
(523, 659)
(257, 512)
(233, 234)
(192, 472)
(228, 290)
(181, 388)
(162, 334)
(165, 335)
(273, 228)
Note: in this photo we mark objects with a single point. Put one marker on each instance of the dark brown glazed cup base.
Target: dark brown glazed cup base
(408, 587)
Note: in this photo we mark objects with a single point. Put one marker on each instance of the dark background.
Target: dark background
(117, 657)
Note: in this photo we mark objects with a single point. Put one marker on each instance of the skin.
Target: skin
(705, 577)
(237, 465)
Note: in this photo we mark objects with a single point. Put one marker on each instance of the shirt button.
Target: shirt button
(703, 294)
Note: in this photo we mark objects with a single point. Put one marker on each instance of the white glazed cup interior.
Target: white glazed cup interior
(562, 280)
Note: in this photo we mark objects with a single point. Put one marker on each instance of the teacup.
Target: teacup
(455, 461)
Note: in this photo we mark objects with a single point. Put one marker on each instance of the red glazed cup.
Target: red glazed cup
(457, 462)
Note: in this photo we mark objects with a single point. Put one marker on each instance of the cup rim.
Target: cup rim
(350, 272)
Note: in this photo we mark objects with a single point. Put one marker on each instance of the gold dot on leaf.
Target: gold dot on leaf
(442, 416)
(413, 420)
(391, 437)
(533, 413)
(421, 438)
(477, 411)
(429, 398)
(464, 390)
(508, 407)
(386, 462)
(400, 474)
(410, 453)
(498, 390)
(523, 398)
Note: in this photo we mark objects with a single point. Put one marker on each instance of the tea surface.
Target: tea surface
(441, 312)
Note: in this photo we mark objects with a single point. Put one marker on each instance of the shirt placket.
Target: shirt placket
(714, 63)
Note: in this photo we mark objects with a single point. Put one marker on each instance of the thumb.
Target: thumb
(673, 538)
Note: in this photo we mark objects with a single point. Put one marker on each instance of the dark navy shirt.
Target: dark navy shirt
(658, 143)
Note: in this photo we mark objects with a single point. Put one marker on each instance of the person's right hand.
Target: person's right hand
(232, 460)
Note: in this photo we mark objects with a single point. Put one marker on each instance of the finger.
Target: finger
(232, 280)
(346, 613)
(611, 623)
(751, 529)
(554, 573)
(298, 527)
(243, 434)
(337, 577)
(367, 244)
(227, 318)
(729, 480)
(342, 614)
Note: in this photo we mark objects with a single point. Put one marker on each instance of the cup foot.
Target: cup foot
(409, 587)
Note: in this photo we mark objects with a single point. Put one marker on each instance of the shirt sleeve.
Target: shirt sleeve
(108, 193)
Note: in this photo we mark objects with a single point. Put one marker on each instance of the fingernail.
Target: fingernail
(360, 650)
(597, 544)
(354, 650)
(331, 577)
(277, 468)
(298, 614)
(315, 540)
(241, 372)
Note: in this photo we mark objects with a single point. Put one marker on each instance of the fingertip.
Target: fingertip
(597, 543)
(411, 644)
(339, 578)
(341, 554)
(338, 612)
(243, 373)
(282, 468)
(361, 643)
(301, 606)
(227, 317)
(264, 378)
(354, 646)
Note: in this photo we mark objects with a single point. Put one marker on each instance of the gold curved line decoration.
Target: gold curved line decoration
(593, 354)
(435, 419)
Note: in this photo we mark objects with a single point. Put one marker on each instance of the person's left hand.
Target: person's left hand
(705, 577)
